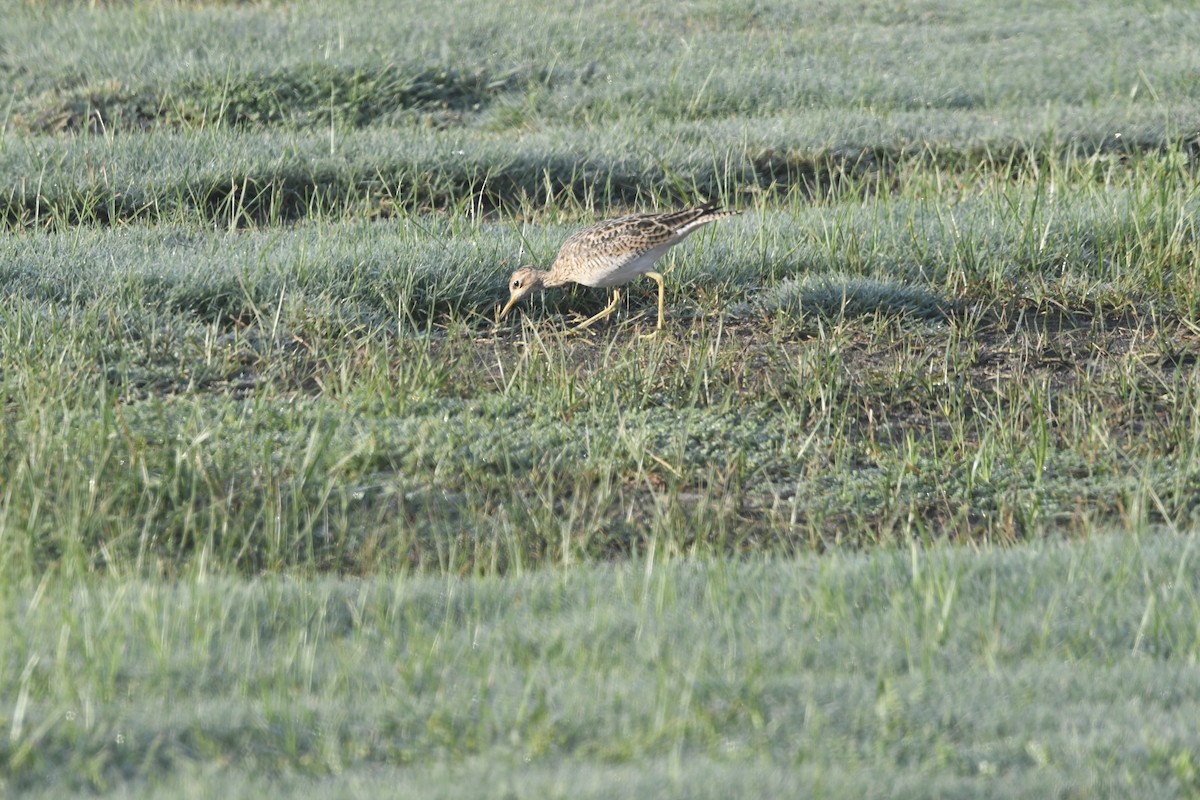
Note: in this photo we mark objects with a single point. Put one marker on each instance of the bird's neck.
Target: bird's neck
(552, 277)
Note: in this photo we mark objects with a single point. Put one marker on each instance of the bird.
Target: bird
(612, 253)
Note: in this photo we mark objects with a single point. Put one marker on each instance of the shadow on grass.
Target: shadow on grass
(307, 184)
(844, 297)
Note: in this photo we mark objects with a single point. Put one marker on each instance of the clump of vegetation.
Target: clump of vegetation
(293, 97)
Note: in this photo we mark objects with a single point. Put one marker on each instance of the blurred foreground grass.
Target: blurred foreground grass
(1056, 667)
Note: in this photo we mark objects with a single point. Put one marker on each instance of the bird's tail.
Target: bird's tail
(691, 218)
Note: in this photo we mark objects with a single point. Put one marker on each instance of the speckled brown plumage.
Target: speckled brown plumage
(613, 253)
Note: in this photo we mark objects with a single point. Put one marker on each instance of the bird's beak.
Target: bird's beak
(512, 301)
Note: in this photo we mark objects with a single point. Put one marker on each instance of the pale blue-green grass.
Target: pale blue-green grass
(528, 65)
(312, 108)
(1051, 668)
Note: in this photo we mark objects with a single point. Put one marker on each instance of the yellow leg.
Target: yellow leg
(657, 278)
(608, 310)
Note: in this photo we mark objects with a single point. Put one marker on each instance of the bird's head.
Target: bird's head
(522, 282)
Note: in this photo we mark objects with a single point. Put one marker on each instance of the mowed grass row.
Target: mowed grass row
(1091, 234)
(476, 65)
(1054, 668)
(269, 178)
(263, 114)
(1018, 361)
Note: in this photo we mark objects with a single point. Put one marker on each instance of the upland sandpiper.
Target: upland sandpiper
(613, 253)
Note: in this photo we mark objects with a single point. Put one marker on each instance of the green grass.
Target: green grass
(337, 395)
(516, 108)
(898, 504)
(1054, 668)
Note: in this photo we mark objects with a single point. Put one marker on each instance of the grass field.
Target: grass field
(1050, 669)
(899, 504)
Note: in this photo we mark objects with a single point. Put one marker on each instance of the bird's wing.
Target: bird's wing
(616, 251)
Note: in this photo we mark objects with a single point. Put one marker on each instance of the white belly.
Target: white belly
(618, 271)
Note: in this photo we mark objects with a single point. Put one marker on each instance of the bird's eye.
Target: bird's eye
(516, 284)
